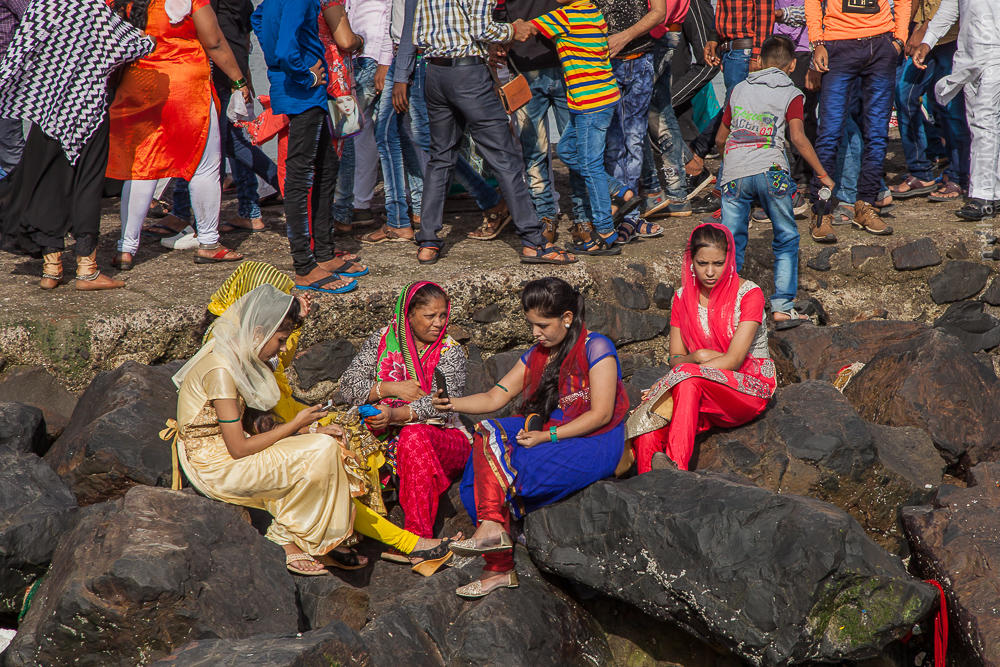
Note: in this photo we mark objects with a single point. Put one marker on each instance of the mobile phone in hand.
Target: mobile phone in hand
(440, 382)
(326, 407)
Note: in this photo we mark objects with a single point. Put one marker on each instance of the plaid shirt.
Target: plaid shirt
(457, 28)
(11, 12)
(745, 19)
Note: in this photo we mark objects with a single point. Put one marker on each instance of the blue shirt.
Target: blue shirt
(288, 33)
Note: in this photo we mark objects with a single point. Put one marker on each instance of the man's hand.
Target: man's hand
(821, 59)
(319, 74)
(616, 43)
(828, 182)
(522, 30)
(498, 55)
(920, 55)
(916, 37)
(401, 97)
(813, 80)
(711, 54)
(380, 73)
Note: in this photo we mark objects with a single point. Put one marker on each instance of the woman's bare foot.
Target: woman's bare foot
(304, 565)
(492, 580)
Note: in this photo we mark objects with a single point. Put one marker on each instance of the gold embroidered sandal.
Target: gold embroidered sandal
(293, 558)
(468, 547)
(474, 590)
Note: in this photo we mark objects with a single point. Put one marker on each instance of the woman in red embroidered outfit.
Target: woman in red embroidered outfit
(571, 379)
(721, 372)
(395, 370)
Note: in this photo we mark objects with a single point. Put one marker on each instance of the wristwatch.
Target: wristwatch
(817, 42)
(902, 44)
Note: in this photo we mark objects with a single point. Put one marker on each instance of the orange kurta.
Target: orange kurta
(159, 119)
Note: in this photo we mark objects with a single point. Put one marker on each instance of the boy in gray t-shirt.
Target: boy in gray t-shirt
(755, 166)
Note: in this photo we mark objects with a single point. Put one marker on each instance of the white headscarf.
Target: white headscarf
(238, 336)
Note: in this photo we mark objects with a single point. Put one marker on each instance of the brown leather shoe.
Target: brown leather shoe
(89, 279)
(52, 271)
(821, 229)
(867, 218)
(551, 230)
(582, 232)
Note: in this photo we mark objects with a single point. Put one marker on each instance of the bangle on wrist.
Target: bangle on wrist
(315, 78)
(313, 427)
(553, 435)
(238, 83)
(378, 390)
(822, 176)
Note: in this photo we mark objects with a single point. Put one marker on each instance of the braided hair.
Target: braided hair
(551, 297)
(134, 11)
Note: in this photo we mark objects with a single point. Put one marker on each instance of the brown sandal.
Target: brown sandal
(494, 220)
(387, 236)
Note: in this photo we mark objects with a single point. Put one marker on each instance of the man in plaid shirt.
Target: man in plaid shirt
(455, 36)
(11, 135)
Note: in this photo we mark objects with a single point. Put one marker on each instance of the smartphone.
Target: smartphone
(440, 382)
(326, 407)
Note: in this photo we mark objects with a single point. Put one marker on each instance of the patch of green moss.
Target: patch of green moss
(854, 615)
(65, 344)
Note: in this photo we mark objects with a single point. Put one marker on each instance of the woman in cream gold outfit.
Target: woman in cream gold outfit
(295, 470)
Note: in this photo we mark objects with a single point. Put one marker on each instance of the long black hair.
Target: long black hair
(134, 11)
(551, 297)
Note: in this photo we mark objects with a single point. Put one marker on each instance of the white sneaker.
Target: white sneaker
(185, 240)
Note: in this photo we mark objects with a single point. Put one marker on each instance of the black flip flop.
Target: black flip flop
(539, 256)
(624, 207)
(342, 561)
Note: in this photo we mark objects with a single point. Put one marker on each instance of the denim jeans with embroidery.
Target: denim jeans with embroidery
(664, 131)
(774, 190)
(623, 155)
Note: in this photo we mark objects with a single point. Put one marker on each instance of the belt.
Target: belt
(464, 61)
(674, 27)
(737, 44)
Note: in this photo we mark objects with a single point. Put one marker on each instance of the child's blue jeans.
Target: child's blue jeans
(581, 148)
(774, 190)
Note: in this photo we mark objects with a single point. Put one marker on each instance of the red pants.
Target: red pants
(699, 404)
(491, 504)
(427, 458)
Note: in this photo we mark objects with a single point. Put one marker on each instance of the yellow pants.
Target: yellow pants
(371, 524)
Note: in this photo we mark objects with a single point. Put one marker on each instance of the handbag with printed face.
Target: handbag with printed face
(346, 116)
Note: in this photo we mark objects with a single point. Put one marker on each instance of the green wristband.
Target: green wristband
(227, 421)
(552, 434)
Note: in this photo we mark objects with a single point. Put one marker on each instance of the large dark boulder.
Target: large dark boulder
(933, 383)
(34, 385)
(22, 428)
(958, 280)
(535, 624)
(335, 644)
(324, 361)
(624, 326)
(112, 442)
(955, 542)
(36, 509)
(141, 576)
(818, 353)
(968, 322)
(777, 579)
(325, 600)
(811, 442)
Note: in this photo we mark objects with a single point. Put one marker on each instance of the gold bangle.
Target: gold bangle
(378, 390)
(313, 427)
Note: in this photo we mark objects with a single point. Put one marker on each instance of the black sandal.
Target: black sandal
(598, 245)
(541, 256)
(624, 207)
(431, 560)
(343, 561)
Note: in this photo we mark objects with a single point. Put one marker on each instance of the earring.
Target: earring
(568, 326)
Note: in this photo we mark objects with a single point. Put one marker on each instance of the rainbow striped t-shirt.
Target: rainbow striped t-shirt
(581, 36)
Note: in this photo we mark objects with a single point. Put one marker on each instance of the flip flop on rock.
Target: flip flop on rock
(319, 285)
(343, 561)
(291, 559)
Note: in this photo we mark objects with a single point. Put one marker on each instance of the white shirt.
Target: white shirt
(371, 19)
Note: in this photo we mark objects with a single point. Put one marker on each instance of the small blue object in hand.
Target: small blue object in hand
(368, 411)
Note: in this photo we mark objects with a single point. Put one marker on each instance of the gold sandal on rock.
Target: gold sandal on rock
(468, 547)
(475, 589)
(292, 558)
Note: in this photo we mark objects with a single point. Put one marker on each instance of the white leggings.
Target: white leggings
(206, 195)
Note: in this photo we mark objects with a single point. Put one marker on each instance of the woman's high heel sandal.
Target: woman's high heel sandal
(468, 547)
(432, 559)
(475, 589)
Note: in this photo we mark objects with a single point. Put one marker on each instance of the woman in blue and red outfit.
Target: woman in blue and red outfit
(571, 378)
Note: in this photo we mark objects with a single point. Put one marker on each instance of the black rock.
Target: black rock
(112, 442)
(530, 626)
(641, 380)
(335, 644)
(821, 262)
(324, 361)
(630, 295)
(811, 442)
(776, 579)
(958, 280)
(35, 386)
(958, 250)
(966, 321)
(916, 255)
(488, 314)
(639, 268)
(624, 326)
(459, 333)
(501, 363)
(325, 600)
(22, 428)
(36, 509)
(663, 296)
(632, 362)
(862, 253)
(992, 293)
(141, 576)
(933, 383)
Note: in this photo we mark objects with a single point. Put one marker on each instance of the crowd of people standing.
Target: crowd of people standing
(165, 89)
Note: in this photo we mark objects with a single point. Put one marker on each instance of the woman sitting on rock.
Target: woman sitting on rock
(571, 385)
(294, 470)
(395, 370)
(721, 372)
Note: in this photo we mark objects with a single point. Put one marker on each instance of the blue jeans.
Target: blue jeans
(398, 155)
(548, 91)
(664, 131)
(911, 85)
(248, 161)
(849, 154)
(364, 90)
(870, 63)
(774, 190)
(623, 155)
(484, 195)
(581, 148)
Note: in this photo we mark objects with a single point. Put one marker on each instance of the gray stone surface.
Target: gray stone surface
(324, 361)
(918, 254)
(958, 280)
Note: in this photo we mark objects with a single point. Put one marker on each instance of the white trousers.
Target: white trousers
(982, 104)
(366, 161)
(206, 195)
